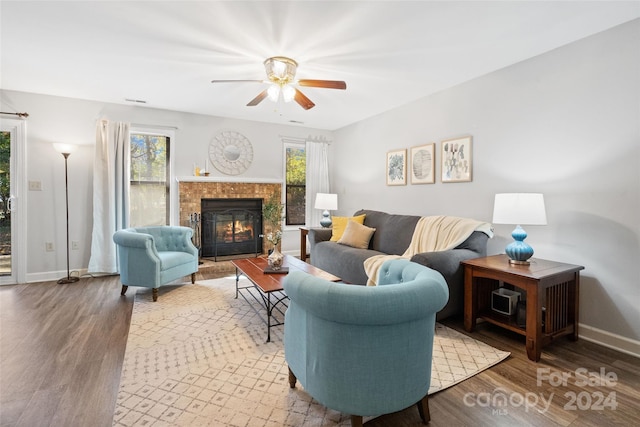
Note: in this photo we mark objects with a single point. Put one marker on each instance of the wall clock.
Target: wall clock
(230, 152)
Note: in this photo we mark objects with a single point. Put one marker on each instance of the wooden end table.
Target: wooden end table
(548, 285)
(267, 289)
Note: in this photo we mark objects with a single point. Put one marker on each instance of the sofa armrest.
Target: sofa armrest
(317, 235)
(446, 262)
(132, 239)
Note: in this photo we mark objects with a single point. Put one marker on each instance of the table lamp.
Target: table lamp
(327, 202)
(519, 209)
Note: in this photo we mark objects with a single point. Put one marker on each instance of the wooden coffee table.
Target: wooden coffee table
(266, 288)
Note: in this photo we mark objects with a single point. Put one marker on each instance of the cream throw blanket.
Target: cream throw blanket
(432, 234)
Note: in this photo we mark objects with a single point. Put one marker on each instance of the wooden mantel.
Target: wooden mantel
(229, 179)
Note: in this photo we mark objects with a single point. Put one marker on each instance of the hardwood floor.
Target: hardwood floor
(62, 347)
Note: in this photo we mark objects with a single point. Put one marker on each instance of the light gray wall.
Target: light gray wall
(56, 119)
(566, 124)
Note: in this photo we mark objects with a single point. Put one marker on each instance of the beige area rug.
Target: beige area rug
(198, 357)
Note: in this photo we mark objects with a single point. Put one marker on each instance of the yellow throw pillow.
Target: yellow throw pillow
(356, 235)
(339, 223)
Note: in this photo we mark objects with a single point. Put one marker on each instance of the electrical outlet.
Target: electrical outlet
(48, 246)
(35, 185)
(75, 245)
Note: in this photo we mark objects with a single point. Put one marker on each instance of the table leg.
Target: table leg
(269, 310)
(574, 297)
(237, 280)
(534, 322)
(470, 300)
(303, 243)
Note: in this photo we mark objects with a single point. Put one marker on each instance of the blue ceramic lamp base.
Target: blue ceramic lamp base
(518, 251)
(326, 220)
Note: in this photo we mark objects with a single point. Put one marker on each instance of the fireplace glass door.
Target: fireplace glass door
(228, 229)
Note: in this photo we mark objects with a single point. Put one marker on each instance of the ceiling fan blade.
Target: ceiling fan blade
(328, 84)
(304, 102)
(258, 99)
(236, 81)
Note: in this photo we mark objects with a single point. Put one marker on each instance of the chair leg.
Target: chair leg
(423, 409)
(292, 379)
(124, 289)
(356, 421)
(193, 278)
(155, 294)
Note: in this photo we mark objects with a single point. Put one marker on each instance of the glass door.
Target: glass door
(6, 199)
(12, 256)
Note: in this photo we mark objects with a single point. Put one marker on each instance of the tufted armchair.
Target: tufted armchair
(154, 256)
(364, 350)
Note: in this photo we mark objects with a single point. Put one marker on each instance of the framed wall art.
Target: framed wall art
(423, 164)
(397, 167)
(456, 159)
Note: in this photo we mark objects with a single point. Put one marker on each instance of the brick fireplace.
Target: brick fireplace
(192, 193)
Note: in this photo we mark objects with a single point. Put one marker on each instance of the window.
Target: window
(149, 181)
(295, 184)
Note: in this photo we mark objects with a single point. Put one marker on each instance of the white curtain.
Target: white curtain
(317, 179)
(110, 193)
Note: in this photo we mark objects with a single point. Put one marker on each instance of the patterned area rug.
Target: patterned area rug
(198, 357)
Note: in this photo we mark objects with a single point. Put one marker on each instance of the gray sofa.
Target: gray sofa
(392, 237)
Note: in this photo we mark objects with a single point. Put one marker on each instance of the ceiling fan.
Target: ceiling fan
(281, 73)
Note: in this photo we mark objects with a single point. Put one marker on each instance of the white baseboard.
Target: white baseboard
(610, 340)
(48, 276)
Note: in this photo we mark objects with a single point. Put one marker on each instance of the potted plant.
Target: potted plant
(272, 213)
(272, 217)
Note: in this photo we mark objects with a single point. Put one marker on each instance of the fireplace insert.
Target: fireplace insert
(231, 227)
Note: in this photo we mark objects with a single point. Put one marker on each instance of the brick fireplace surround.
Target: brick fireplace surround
(192, 191)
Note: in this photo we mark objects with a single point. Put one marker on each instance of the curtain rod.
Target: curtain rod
(310, 138)
(142, 125)
(22, 115)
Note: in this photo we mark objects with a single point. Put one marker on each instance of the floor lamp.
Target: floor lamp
(66, 150)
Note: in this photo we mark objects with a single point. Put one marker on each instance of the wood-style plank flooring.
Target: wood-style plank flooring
(62, 347)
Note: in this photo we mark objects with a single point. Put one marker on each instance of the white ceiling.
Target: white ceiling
(389, 52)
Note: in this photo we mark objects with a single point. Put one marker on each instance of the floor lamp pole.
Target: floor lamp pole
(67, 279)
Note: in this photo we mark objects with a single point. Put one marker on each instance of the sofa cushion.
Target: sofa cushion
(393, 232)
(339, 223)
(356, 235)
(344, 261)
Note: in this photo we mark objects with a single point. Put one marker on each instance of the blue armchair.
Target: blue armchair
(364, 350)
(154, 256)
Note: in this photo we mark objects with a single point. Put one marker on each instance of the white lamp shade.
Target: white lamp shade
(64, 148)
(519, 209)
(326, 201)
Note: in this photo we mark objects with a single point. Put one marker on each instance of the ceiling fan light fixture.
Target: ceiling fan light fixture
(280, 69)
(288, 93)
(273, 92)
(281, 73)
